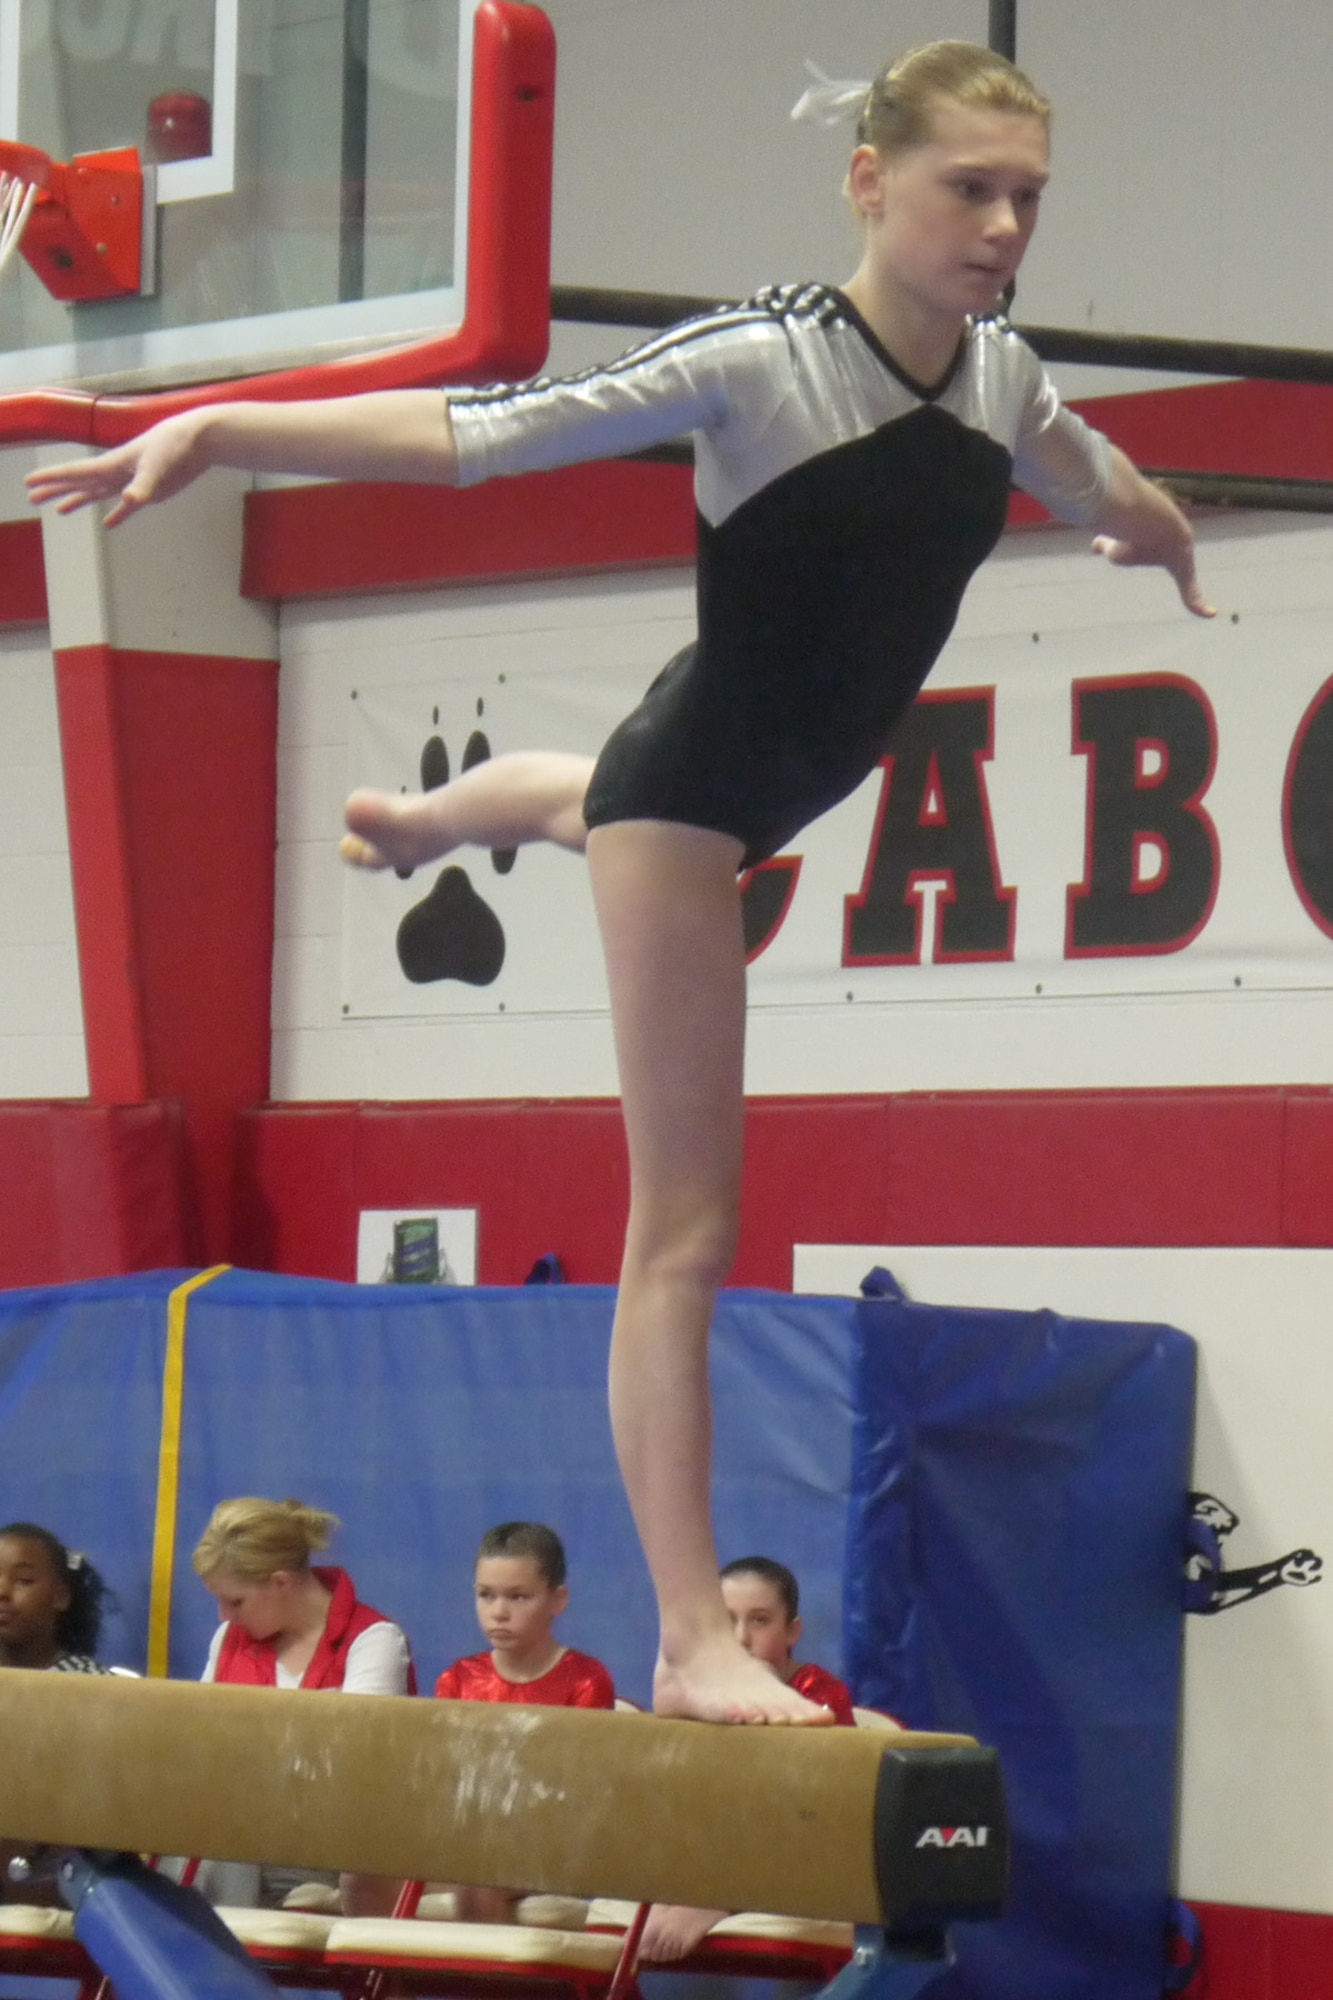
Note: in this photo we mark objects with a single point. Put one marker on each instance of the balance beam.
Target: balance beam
(859, 1826)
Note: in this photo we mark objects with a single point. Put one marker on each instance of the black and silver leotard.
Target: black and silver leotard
(842, 510)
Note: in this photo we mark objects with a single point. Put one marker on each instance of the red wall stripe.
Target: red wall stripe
(22, 574)
(318, 541)
(1280, 430)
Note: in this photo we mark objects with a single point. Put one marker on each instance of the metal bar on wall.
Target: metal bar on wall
(355, 121)
(1002, 29)
(589, 306)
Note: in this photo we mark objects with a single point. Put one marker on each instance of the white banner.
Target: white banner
(1143, 810)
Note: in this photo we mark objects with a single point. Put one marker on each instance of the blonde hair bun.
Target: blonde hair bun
(252, 1538)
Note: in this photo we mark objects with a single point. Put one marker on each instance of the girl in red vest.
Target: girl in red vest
(287, 1623)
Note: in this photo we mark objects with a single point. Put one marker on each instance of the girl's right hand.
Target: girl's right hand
(154, 466)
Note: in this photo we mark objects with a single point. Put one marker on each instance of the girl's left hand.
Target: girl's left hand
(1177, 560)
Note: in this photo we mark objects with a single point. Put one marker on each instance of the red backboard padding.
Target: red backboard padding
(89, 1190)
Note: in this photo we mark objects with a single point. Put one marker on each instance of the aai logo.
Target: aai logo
(953, 1836)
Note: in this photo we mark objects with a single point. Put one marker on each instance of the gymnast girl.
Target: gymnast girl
(854, 452)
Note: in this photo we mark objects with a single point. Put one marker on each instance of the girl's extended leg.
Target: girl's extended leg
(669, 910)
(525, 795)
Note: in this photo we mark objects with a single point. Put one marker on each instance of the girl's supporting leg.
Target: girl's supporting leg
(669, 909)
(525, 795)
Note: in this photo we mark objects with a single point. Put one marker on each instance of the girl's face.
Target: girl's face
(759, 1619)
(260, 1609)
(947, 222)
(516, 1606)
(32, 1598)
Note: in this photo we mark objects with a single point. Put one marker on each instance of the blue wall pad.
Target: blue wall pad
(1014, 1570)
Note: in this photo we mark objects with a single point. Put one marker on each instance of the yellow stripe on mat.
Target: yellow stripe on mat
(169, 1469)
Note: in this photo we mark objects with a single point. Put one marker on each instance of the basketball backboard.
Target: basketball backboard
(334, 178)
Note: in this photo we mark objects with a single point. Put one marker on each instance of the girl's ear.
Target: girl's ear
(865, 182)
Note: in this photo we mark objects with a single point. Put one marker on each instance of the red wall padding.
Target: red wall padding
(1307, 1178)
(1184, 1167)
(1087, 1167)
(89, 1190)
(547, 1176)
(171, 789)
(1263, 1955)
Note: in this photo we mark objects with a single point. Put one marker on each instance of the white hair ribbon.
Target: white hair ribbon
(828, 100)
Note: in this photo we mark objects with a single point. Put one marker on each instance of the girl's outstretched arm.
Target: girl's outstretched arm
(1141, 523)
(388, 434)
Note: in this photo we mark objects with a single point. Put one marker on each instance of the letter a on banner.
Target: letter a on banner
(934, 825)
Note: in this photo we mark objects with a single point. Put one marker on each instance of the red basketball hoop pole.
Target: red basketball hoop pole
(85, 237)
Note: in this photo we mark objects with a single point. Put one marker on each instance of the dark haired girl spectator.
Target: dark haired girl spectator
(51, 1602)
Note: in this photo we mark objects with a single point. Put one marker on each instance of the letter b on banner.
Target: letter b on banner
(1151, 859)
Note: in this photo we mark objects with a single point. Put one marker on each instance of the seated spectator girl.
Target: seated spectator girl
(50, 1602)
(50, 1618)
(288, 1623)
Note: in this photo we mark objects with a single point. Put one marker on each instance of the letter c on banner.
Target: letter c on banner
(1307, 817)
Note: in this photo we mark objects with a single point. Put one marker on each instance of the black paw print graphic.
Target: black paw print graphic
(453, 933)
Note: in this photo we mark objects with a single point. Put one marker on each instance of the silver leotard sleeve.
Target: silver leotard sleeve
(688, 379)
(1059, 459)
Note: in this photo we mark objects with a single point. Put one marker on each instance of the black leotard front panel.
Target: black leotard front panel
(786, 701)
(842, 510)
